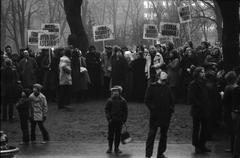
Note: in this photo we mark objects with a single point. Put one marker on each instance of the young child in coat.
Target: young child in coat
(116, 111)
(39, 110)
(23, 108)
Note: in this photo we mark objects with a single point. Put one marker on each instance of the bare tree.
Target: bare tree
(19, 20)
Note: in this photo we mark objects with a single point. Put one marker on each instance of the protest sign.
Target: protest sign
(184, 14)
(150, 31)
(50, 38)
(103, 33)
(47, 40)
(169, 29)
(33, 37)
(51, 27)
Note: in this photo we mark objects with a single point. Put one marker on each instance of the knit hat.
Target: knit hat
(117, 88)
(38, 86)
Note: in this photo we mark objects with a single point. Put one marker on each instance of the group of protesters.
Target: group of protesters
(69, 75)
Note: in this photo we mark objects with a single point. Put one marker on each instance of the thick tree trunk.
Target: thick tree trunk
(78, 37)
(230, 14)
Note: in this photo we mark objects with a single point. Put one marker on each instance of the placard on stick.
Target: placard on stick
(50, 38)
(103, 33)
(184, 14)
(150, 31)
(169, 29)
(33, 37)
(47, 40)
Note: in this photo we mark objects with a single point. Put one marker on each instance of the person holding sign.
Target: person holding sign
(154, 61)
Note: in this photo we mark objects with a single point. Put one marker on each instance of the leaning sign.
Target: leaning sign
(150, 31)
(33, 37)
(184, 14)
(103, 33)
(169, 29)
(50, 38)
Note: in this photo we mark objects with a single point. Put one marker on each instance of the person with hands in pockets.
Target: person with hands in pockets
(39, 110)
(116, 111)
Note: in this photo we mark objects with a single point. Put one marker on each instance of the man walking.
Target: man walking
(160, 102)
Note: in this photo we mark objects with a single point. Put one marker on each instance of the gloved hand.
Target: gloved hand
(44, 118)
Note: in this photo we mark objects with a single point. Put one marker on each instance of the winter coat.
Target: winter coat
(106, 65)
(158, 62)
(23, 106)
(93, 62)
(116, 110)
(199, 99)
(39, 107)
(80, 80)
(119, 71)
(139, 78)
(159, 100)
(7, 81)
(65, 77)
(27, 68)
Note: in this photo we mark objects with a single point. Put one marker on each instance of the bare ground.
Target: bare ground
(87, 123)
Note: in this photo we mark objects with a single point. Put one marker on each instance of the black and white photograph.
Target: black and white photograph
(120, 79)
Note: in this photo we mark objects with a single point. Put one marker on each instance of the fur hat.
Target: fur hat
(117, 88)
(38, 86)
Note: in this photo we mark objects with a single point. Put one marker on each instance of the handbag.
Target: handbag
(125, 136)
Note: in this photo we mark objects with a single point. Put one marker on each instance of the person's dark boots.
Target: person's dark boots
(117, 151)
(205, 149)
(110, 144)
(109, 151)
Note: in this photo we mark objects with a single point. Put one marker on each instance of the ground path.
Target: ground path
(82, 132)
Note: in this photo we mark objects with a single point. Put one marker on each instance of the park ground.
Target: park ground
(86, 123)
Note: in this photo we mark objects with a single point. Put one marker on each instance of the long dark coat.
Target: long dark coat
(119, 70)
(80, 80)
(139, 78)
(159, 100)
(199, 99)
(27, 70)
(93, 62)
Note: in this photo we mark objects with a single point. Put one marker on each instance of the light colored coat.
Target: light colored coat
(158, 62)
(65, 77)
(39, 107)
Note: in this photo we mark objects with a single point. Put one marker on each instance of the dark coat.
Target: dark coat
(27, 69)
(80, 80)
(159, 100)
(119, 71)
(93, 62)
(199, 99)
(139, 78)
(23, 106)
(8, 81)
(116, 110)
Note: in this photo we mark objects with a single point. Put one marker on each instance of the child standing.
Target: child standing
(116, 111)
(23, 107)
(38, 113)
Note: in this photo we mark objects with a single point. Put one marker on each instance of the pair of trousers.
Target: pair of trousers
(64, 97)
(24, 128)
(200, 132)
(162, 146)
(114, 134)
(7, 109)
(42, 129)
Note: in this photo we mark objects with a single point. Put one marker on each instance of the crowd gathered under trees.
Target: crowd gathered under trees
(69, 75)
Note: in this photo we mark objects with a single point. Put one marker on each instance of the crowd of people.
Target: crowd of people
(69, 75)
